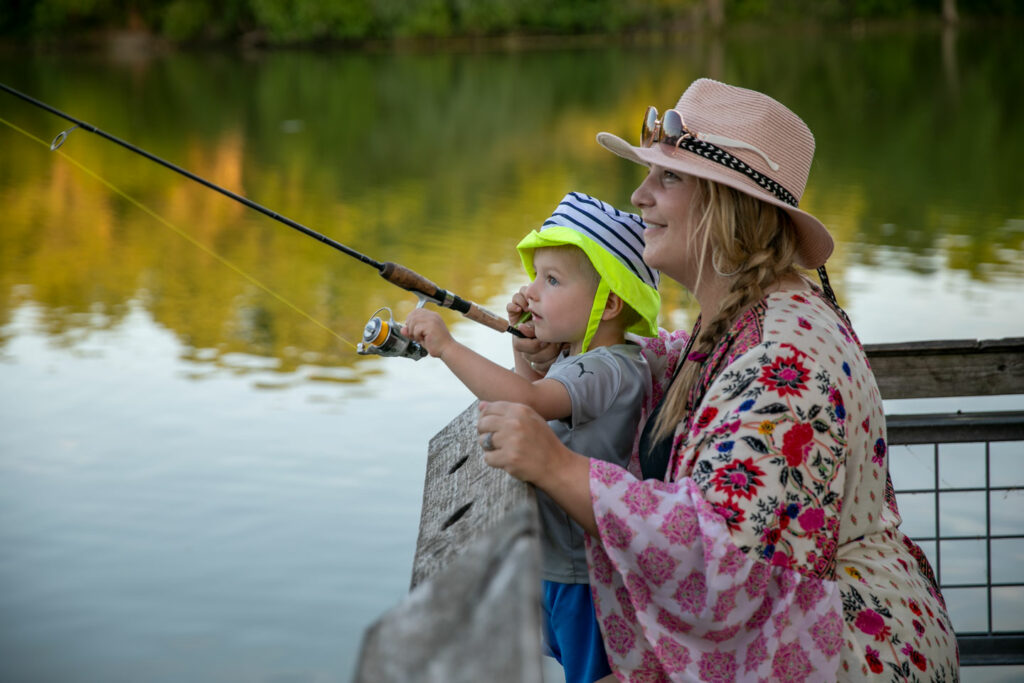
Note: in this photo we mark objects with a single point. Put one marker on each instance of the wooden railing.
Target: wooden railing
(475, 573)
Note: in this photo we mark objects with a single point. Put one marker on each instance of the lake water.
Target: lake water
(200, 479)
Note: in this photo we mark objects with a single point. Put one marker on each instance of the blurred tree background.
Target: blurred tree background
(306, 22)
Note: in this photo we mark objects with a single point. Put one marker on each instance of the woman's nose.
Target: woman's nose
(641, 197)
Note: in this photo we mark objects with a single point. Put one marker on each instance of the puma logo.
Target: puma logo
(583, 370)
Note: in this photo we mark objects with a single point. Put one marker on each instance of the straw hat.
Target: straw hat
(613, 241)
(748, 141)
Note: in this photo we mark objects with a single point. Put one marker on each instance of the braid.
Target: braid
(758, 242)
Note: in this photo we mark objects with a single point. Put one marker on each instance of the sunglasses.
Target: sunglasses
(671, 129)
(668, 129)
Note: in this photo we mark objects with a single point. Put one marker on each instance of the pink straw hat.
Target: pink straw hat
(748, 141)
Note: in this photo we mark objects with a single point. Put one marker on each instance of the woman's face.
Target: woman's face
(664, 199)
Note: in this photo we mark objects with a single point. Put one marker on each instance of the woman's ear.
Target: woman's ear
(612, 307)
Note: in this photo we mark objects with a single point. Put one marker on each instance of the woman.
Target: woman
(754, 536)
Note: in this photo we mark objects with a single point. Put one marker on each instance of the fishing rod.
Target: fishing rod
(380, 337)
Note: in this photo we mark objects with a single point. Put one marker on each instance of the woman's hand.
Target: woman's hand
(518, 440)
(530, 352)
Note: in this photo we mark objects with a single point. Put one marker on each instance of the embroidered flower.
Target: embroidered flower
(615, 531)
(640, 499)
(723, 634)
(808, 594)
(812, 519)
(871, 622)
(796, 443)
(725, 603)
(836, 399)
(786, 376)
(731, 513)
(802, 322)
(912, 604)
(650, 669)
(625, 604)
(732, 561)
(680, 525)
(672, 622)
(619, 637)
(600, 565)
(717, 667)
(828, 634)
(606, 473)
(739, 478)
(879, 456)
(692, 594)
(756, 653)
(916, 658)
(656, 564)
(874, 663)
(757, 580)
(766, 428)
(672, 654)
(706, 416)
(639, 591)
(760, 616)
(791, 663)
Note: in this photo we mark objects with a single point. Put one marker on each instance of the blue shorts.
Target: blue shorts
(571, 633)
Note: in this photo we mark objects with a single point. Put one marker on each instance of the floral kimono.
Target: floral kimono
(772, 550)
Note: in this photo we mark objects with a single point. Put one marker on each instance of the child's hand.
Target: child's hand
(516, 309)
(427, 328)
(537, 354)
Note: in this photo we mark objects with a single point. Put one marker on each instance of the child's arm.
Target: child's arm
(486, 379)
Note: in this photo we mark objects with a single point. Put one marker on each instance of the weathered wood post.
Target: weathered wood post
(473, 613)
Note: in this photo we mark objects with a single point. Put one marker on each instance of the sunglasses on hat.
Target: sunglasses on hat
(671, 129)
(668, 129)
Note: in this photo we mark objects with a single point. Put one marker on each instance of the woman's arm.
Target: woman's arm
(527, 449)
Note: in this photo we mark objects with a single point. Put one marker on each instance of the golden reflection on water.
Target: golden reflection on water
(441, 162)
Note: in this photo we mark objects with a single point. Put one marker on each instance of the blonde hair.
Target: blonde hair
(750, 241)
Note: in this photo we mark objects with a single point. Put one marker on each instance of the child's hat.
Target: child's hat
(613, 241)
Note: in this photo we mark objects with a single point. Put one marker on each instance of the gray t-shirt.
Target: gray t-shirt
(607, 386)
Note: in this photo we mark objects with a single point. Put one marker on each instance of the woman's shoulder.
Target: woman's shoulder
(798, 328)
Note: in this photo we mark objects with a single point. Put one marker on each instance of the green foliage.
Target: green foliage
(296, 22)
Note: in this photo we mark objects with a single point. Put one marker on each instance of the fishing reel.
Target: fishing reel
(382, 338)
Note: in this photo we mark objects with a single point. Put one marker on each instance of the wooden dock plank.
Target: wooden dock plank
(477, 619)
(959, 367)
(463, 498)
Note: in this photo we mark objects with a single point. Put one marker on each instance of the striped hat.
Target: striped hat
(613, 240)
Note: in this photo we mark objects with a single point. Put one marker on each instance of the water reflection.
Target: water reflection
(441, 161)
(152, 390)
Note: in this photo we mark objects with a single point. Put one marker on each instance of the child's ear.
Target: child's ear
(612, 307)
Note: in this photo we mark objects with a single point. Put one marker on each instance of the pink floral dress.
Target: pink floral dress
(772, 552)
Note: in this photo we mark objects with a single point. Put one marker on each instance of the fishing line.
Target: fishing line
(394, 273)
(59, 140)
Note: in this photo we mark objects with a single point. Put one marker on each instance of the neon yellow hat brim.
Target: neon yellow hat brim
(640, 296)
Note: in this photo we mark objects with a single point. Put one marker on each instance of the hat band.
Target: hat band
(719, 155)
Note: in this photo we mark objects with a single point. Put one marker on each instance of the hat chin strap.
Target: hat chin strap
(738, 144)
(600, 300)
